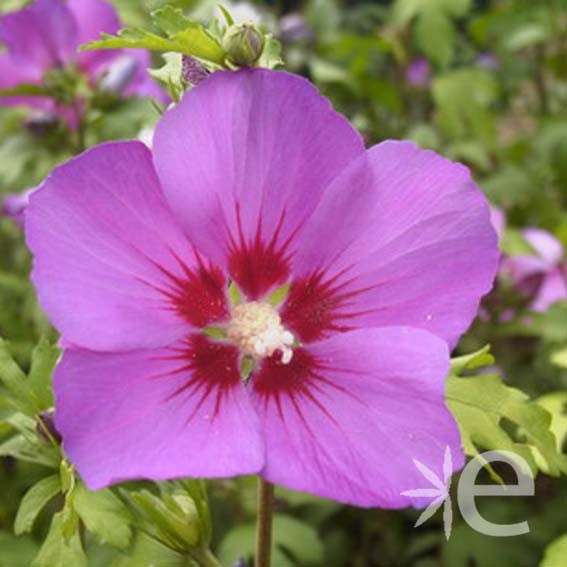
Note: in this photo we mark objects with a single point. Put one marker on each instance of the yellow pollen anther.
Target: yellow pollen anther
(256, 329)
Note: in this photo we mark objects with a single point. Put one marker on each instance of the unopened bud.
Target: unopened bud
(120, 74)
(244, 44)
(193, 70)
(41, 123)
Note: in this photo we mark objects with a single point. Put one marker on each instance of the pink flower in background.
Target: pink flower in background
(45, 36)
(488, 61)
(418, 72)
(253, 179)
(498, 220)
(293, 27)
(541, 276)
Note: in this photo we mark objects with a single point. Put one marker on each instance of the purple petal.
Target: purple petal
(418, 72)
(552, 289)
(41, 36)
(175, 412)
(518, 268)
(15, 205)
(244, 160)
(112, 268)
(547, 247)
(403, 237)
(12, 74)
(347, 417)
(142, 83)
(94, 17)
(126, 73)
(498, 220)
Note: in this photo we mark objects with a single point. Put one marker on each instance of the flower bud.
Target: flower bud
(41, 123)
(193, 70)
(244, 44)
(119, 74)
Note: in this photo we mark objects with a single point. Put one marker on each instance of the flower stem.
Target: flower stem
(205, 558)
(264, 531)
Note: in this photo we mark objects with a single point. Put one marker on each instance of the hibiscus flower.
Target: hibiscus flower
(42, 40)
(260, 294)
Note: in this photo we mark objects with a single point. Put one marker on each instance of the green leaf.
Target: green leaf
(197, 490)
(20, 447)
(34, 501)
(171, 20)
(182, 36)
(15, 380)
(559, 358)
(226, 15)
(131, 38)
(550, 325)
(300, 539)
(171, 74)
(69, 519)
(555, 553)
(271, 57)
(556, 404)
(67, 476)
(324, 71)
(435, 35)
(291, 537)
(59, 551)
(513, 243)
(525, 36)
(457, 8)
(472, 153)
(44, 359)
(104, 516)
(148, 551)
(463, 99)
(26, 90)
(13, 282)
(478, 359)
(483, 403)
(26, 444)
(406, 10)
(424, 136)
(171, 518)
(16, 551)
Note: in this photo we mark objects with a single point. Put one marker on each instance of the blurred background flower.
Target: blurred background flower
(43, 68)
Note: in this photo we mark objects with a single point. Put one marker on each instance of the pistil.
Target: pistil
(256, 329)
